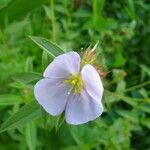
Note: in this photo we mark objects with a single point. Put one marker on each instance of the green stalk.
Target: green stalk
(53, 20)
(137, 86)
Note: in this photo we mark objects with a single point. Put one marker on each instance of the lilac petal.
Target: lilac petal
(63, 66)
(92, 82)
(82, 108)
(51, 95)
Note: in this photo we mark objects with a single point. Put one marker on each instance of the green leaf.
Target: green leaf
(10, 9)
(145, 69)
(45, 60)
(10, 99)
(47, 46)
(127, 114)
(26, 114)
(47, 12)
(27, 77)
(121, 87)
(146, 122)
(31, 136)
(4, 3)
(59, 122)
(145, 107)
(113, 97)
(29, 65)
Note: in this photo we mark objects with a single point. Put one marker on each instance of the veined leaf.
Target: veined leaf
(26, 114)
(27, 77)
(10, 99)
(47, 46)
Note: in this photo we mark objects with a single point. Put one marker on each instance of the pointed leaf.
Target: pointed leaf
(27, 77)
(47, 46)
(26, 114)
(59, 122)
(31, 135)
(10, 99)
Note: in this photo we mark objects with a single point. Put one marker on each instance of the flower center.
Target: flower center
(76, 83)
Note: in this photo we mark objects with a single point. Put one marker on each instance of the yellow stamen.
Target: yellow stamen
(76, 82)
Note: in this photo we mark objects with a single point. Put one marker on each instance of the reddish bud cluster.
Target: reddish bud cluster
(90, 57)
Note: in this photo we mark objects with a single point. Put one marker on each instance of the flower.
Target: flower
(65, 88)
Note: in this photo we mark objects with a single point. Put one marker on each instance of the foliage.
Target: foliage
(122, 27)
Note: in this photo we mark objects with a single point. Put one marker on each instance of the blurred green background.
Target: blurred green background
(122, 28)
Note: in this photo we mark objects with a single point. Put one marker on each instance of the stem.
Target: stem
(53, 20)
(137, 86)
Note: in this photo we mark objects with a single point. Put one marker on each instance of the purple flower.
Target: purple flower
(66, 88)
